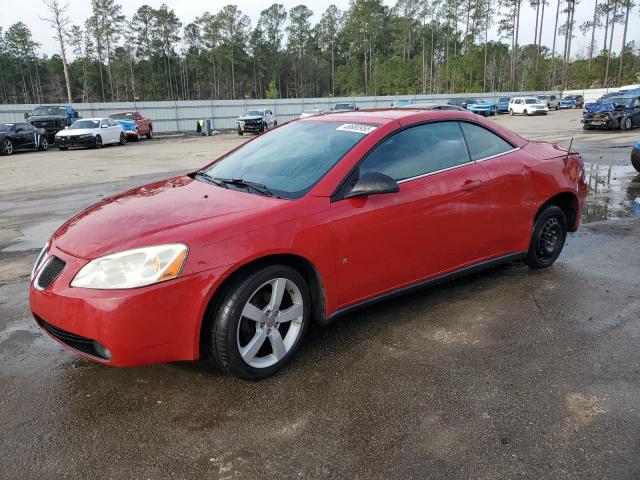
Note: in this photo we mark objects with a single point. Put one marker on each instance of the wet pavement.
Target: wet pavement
(508, 373)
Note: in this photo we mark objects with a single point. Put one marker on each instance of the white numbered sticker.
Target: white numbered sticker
(356, 128)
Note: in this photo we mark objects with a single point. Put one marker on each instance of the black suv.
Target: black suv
(52, 118)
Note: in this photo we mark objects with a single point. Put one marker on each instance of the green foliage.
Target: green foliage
(371, 48)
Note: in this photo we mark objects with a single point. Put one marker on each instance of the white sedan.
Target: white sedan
(527, 106)
(91, 132)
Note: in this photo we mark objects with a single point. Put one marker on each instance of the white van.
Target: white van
(527, 106)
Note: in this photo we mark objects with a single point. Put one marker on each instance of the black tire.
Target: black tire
(123, 139)
(150, 133)
(525, 113)
(44, 144)
(275, 123)
(626, 123)
(240, 132)
(97, 142)
(6, 146)
(221, 330)
(511, 112)
(64, 149)
(548, 237)
(557, 108)
(587, 127)
(635, 159)
(138, 137)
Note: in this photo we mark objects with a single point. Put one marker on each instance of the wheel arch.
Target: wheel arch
(568, 202)
(301, 264)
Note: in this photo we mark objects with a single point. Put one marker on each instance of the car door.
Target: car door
(384, 242)
(23, 137)
(31, 137)
(508, 230)
(635, 112)
(116, 129)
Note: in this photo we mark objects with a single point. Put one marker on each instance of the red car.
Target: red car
(304, 223)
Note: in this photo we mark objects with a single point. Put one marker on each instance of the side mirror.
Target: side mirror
(26, 115)
(373, 183)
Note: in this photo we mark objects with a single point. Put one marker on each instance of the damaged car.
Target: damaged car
(256, 121)
(621, 112)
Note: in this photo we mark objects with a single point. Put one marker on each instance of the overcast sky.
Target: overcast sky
(28, 11)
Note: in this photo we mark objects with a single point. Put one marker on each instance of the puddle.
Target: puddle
(614, 192)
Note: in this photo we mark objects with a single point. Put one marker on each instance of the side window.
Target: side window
(483, 143)
(418, 150)
(104, 123)
(111, 123)
(553, 97)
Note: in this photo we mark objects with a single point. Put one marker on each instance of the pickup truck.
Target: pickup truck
(52, 119)
(134, 124)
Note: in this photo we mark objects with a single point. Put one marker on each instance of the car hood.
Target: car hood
(600, 107)
(75, 132)
(480, 105)
(178, 210)
(128, 124)
(251, 117)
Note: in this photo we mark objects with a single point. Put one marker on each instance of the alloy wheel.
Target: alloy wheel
(44, 144)
(270, 323)
(7, 147)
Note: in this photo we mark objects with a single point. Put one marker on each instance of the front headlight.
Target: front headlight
(241, 123)
(133, 268)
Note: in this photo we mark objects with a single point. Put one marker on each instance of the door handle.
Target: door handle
(470, 185)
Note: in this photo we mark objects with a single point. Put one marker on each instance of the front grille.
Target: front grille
(50, 272)
(82, 344)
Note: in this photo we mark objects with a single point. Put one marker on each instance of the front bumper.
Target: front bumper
(602, 121)
(154, 324)
(131, 134)
(566, 106)
(251, 127)
(75, 141)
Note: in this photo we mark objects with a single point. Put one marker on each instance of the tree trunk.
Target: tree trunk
(613, 26)
(624, 40)
(553, 51)
(592, 45)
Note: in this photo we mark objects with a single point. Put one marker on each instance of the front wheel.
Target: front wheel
(525, 113)
(259, 323)
(123, 139)
(547, 240)
(98, 142)
(240, 132)
(511, 112)
(6, 147)
(626, 123)
(44, 145)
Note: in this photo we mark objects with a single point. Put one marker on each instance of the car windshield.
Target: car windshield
(122, 116)
(624, 101)
(78, 124)
(531, 101)
(290, 160)
(46, 111)
(253, 113)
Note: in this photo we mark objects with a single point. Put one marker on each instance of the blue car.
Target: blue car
(635, 156)
(128, 124)
(616, 112)
(503, 105)
(567, 102)
(481, 107)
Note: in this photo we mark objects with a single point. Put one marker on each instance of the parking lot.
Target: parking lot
(508, 373)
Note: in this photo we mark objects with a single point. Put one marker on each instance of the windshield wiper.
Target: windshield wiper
(210, 179)
(257, 187)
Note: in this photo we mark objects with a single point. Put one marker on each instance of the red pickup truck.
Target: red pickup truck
(134, 124)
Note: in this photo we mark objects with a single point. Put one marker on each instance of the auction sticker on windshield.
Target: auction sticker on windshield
(356, 128)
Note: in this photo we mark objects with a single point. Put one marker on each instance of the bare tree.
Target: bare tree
(628, 6)
(60, 22)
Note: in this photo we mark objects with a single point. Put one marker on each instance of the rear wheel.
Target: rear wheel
(123, 139)
(6, 147)
(626, 123)
(259, 323)
(150, 133)
(44, 144)
(547, 240)
(525, 113)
